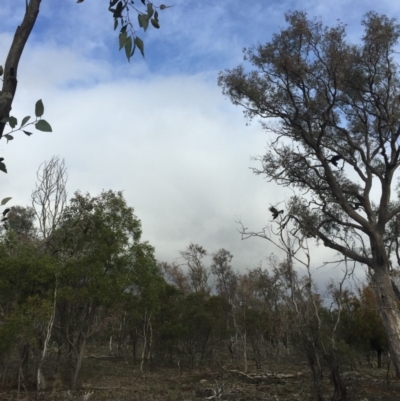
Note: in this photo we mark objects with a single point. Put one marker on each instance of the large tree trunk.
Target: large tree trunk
(390, 313)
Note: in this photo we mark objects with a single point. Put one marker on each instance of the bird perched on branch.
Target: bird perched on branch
(334, 160)
(275, 212)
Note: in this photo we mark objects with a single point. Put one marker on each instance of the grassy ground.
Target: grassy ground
(115, 380)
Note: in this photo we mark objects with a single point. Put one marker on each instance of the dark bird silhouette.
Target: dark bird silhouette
(335, 159)
(275, 212)
(6, 211)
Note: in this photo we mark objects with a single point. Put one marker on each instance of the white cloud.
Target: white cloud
(174, 145)
(167, 138)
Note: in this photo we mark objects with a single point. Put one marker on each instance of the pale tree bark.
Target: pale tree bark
(147, 339)
(48, 201)
(238, 314)
(40, 380)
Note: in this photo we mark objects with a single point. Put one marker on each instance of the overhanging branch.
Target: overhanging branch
(17, 46)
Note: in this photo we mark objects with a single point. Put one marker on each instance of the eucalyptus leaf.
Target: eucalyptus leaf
(25, 120)
(118, 10)
(139, 43)
(122, 39)
(150, 10)
(143, 21)
(39, 108)
(9, 137)
(3, 168)
(128, 48)
(155, 23)
(5, 200)
(43, 125)
(27, 133)
(12, 121)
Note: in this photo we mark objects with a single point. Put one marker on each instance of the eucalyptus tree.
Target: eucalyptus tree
(102, 254)
(333, 110)
(198, 273)
(27, 281)
(226, 278)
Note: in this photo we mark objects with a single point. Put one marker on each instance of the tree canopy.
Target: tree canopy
(334, 109)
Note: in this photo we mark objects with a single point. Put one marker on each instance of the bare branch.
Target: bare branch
(50, 195)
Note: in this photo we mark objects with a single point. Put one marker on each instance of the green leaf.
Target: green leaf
(27, 133)
(2, 104)
(139, 43)
(12, 121)
(143, 21)
(156, 15)
(9, 137)
(155, 23)
(118, 10)
(115, 24)
(128, 48)
(5, 200)
(122, 39)
(3, 168)
(25, 120)
(150, 10)
(39, 108)
(43, 125)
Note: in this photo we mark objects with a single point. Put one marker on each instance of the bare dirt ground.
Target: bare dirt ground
(115, 380)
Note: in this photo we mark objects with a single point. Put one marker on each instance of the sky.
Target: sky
(157, 128)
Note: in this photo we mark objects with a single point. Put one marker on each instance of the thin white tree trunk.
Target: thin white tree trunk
(40, 382)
